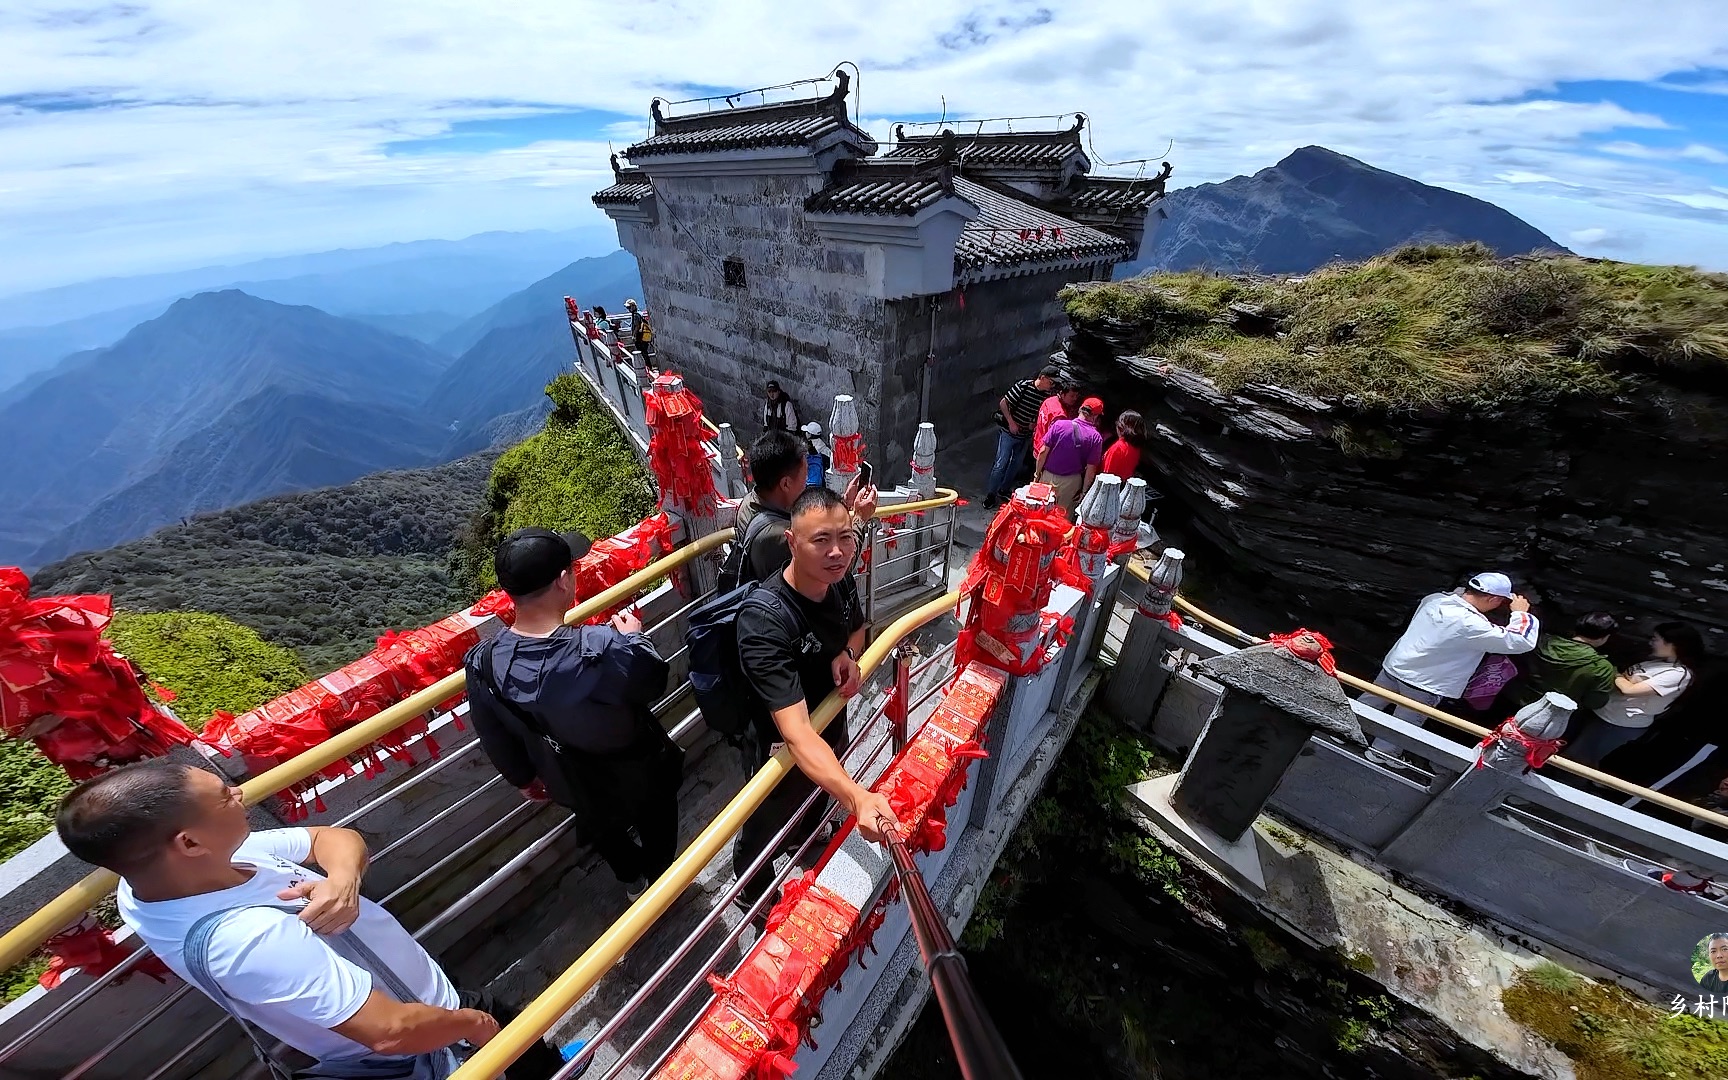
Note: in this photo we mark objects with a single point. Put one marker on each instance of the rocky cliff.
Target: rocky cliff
(1341, 472)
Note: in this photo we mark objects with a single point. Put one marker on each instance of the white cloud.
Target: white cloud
(255, 129)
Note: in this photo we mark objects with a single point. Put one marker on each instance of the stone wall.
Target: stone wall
(803, 315)
(1007, 329)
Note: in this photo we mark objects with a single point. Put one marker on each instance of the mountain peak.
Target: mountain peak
(1314, 207)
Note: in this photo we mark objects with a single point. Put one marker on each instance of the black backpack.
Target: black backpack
(735, 569)
(729, 704)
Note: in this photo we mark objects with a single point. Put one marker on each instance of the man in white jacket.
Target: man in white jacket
(1445, 643)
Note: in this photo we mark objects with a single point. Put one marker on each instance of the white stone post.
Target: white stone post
(1131, 694)
(848, 443)
(923, 482)
(1125, 530)
(1097, 515)
(731, 476)
(1436, 832)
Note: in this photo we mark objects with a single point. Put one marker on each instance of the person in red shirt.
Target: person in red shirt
(1122, 459)
(1064, 406)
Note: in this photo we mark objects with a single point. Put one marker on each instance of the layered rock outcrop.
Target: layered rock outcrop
(1342, 518)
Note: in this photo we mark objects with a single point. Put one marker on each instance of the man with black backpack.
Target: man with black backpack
(799, 635)
(565, 712)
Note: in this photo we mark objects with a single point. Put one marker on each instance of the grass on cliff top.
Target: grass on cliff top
(1612, 1035)
(1426, 327)
(579, 472)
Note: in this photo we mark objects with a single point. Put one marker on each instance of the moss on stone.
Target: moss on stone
(1612, 1035)
(1426, 327)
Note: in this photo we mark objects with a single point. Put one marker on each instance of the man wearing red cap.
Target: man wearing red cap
(1072, 450)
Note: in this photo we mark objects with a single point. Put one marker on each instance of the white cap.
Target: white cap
(1492, 584)
(812, 428)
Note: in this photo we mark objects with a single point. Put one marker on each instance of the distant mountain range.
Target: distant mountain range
(511, 350)
(1312, 208)
(419, 290)
(227, 397)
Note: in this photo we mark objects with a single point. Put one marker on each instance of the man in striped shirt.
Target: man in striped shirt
(1016, 415)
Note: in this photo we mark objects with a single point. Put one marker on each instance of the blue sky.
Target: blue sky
(152, 135)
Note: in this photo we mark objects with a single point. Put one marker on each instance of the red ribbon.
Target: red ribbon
(92, 950)
(675, 451)
(1306, 645)
(848, 453)
(1536, 751)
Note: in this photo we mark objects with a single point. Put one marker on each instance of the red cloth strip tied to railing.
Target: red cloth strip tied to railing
(92, 949)
(764, 1011)
(63, 685)
(1536, 751)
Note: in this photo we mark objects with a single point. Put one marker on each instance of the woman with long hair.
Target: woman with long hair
(1122, 459)
(1645, 691)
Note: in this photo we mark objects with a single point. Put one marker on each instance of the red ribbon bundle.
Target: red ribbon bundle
(675, 451)
(1536, 751)
(848, 453)
(92, 950)
(1307, 645)
(63, 685)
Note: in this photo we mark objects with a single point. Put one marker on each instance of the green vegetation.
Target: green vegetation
(579, 472)
(1426, 327)
(209, 662)
(321, 572)
(1612, 1035)
(30, 789)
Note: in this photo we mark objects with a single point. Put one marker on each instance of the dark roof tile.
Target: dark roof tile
(786, 123)
(889, 188)
(1004, 150)
(994, 238)
(628, 187)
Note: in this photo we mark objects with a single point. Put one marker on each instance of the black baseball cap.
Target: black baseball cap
(528, 560)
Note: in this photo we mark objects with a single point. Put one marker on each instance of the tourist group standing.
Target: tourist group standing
(1457, 652)
(1051, 417)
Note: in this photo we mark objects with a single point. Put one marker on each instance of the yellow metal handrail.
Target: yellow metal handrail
(1458, 723)
(24, 939)
(538, 1016)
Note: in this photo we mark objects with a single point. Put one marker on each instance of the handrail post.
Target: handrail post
(900, 703)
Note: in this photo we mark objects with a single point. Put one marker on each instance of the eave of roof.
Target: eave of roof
(628, 187)
(887, 188)
(1009, 231)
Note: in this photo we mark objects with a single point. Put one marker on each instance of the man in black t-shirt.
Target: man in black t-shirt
(1016, 416)
(799, 638)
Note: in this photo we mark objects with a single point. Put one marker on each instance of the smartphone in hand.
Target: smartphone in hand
(864, 472)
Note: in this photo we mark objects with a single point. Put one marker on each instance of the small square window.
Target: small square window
(733, 269)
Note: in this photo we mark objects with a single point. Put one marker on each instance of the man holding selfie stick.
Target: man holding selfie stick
(565, 712)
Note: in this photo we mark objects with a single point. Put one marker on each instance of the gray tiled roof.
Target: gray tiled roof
(629, 186)
(889, 188)
(1109, 194)
(994, 237)
(788, 123)
(1025, 150)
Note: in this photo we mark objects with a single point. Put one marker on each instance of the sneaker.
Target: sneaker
(634, 890)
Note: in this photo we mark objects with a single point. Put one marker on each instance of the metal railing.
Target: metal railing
(1457, 723)
(539, 1015)
(71, 904)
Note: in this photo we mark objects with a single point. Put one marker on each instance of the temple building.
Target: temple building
(779, 241)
